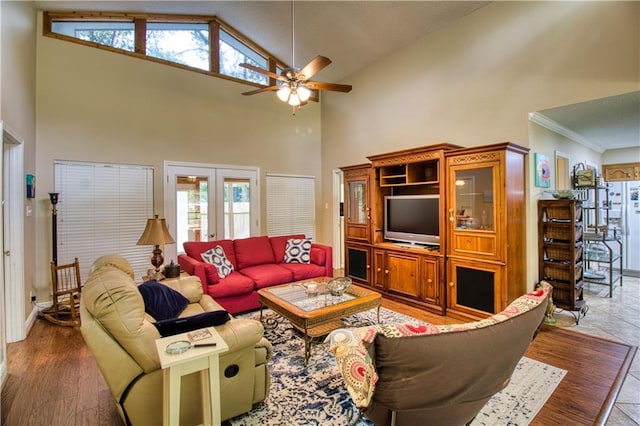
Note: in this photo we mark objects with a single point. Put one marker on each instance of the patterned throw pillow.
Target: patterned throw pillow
(298, 250)
(217, 258)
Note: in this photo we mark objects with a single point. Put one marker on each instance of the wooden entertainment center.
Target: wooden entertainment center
(478, 267)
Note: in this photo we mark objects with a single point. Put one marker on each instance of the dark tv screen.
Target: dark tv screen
(412, 218)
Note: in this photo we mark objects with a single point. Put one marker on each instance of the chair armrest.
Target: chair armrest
(189, 286)
(328, 257)
(208, 304)
(240, 333)
(193, 267)
(354, 362)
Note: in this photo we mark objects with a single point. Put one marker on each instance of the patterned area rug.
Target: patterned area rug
(316, 395)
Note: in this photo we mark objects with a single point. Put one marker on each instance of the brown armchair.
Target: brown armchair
(444, 375)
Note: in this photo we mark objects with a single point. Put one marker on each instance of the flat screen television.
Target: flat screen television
(413, 219)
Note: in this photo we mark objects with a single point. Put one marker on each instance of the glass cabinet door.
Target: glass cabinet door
(357, 190)
(474, 199)
(474, 218)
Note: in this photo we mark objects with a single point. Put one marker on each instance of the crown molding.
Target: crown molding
(548, 123)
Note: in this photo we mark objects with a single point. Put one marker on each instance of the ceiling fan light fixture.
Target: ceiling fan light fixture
(303, 93)
(284, 92)
(294, 98)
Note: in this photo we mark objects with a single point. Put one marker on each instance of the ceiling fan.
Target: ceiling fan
(294, 85)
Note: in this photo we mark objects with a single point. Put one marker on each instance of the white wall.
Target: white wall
(95, 105)
(621, 155)
(17, 105)
(475, 82)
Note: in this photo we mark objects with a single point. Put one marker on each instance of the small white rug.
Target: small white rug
(316, 395)
(531, 385)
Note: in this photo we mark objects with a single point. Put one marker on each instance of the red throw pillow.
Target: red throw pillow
(211, 273)
(318, 256)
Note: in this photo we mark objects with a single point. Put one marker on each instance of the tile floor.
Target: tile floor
(616, 318)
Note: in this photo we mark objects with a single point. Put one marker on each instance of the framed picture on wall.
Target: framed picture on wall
(543, 171)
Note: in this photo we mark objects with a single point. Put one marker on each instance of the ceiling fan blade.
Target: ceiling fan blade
(261, 90)
(319, 85)
(314, 67)
(263, 71)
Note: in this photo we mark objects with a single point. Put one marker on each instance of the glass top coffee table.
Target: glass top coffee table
(318, 314)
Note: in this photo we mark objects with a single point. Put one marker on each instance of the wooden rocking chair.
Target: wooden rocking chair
(66, 295)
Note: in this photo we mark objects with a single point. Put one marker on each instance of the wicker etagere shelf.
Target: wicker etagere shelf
(560, 252)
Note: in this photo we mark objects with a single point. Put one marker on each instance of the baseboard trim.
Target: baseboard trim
(31, 319)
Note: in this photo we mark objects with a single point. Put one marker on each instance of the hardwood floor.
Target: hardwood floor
(54, 380)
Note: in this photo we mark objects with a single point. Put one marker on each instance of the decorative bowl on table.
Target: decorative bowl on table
(337, 286)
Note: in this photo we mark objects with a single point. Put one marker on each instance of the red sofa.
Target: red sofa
(258, 262)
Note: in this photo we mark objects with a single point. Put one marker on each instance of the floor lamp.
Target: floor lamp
(53, 197)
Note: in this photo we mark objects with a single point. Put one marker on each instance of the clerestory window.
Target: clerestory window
(115, 34)
(198, 43)
(186, 44)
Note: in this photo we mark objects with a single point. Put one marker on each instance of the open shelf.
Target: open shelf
(419, 173)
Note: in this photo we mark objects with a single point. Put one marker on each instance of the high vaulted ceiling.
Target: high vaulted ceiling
(354, 34)
(351, 33)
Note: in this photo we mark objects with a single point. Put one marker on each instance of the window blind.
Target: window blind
(103, 209)
(291, 205)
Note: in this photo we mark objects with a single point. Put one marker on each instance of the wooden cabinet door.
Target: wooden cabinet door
(621, 172)
(380, 270)
(357, 263)
(403, 274)
(474, 289)
(475, 211)
(357, 209)
(430, 281)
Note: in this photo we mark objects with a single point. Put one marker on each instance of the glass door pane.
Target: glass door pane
(474, 199)
(237, 208)
(357, 202)
(192, 209)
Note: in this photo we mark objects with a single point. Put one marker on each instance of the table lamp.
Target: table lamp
(156, 234)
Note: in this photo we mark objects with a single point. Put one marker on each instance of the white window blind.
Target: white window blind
(103, 209)
(291, 205)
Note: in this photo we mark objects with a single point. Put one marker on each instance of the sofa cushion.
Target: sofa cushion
(303, 271)
(279, 243)
(173, 326)
(235, 284)
(217, 257)
(195, 248)
(162, 302)
(298, 251)
(268, 275)
(253, 251)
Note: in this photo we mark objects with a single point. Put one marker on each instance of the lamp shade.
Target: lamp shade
(155, 233)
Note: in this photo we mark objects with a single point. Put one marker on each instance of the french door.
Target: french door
(205, 202)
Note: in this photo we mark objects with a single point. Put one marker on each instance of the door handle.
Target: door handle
(7, 252)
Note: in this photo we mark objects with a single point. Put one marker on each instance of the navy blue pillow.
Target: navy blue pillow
(162, 302)
(182, 325)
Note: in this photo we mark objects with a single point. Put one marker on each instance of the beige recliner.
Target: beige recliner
(121, 337)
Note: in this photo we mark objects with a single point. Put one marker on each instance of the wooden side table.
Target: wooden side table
(202, 359)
